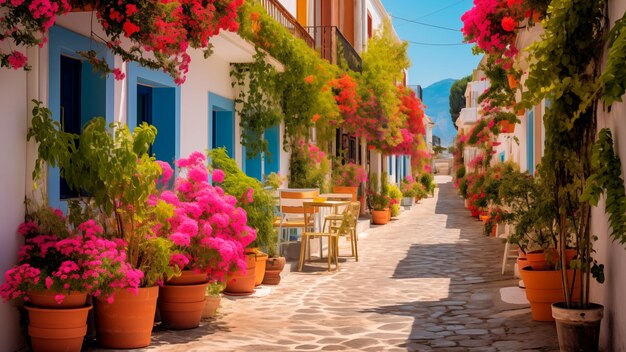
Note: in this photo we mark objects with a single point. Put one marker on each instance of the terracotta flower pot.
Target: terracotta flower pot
(54, 330)
(181, 306)
(380, 217)
(347, 189)
(188, 277)
(128, 321)
(513, 81)
(212, 303)
(259, 271)
(273, 268)
(506, 126)
(46, 299)
(241, 283)
(537, 260)
(544, 287)
(484, 217)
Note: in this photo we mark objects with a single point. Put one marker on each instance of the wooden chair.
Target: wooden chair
(309, 218)
(346, 225)
(291, 212)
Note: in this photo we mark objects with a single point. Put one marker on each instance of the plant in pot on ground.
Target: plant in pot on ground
(213, 298)
(209, 231)
(378, 200)
(114, 176)
(258, 204)
(407, 187)
(395, 196)
(58, 268)
(579, 163)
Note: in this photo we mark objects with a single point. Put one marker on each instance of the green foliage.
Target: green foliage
(376, 198)
(457, 97)
(260, 211)
(273, 181)
(257, 102)
(304, 172)
(607, 178)
(460, 172)
(428, 181)
(614, 75)
(115, 176)
(215, 288)
(383, 62)
(395, 194)
(298, 99)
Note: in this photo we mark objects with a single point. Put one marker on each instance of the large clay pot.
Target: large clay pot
(578, 329)
(57, 330)
(273, 269)
(181, 306)
(347, 189)
(188, 277)
(241, 283)
(259, 270)
(380, 217)
(544, 287)
(128, 321)
(46, 299)
(212, 303)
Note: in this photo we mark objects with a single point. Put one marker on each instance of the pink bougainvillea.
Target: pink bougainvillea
(484, 25)
(209, 231)
(64, 260)
(349, 174)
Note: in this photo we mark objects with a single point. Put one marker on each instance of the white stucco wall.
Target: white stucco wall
(291, 6)
(13, 117)
(611, 254)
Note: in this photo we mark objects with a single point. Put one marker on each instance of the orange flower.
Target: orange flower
(309, 79)
(315, 118)
(254, 16)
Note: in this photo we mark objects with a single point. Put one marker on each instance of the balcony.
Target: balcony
(334, 47)
(279, 13)
(467, 116)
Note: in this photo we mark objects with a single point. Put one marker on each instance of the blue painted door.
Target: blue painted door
(530, 141)
(223, 131)
(164, 119)
(70, 108)
(272, 158)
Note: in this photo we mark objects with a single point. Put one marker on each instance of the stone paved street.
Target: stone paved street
(427, 281)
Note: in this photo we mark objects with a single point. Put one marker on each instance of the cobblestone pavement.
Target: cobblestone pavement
(427, 281)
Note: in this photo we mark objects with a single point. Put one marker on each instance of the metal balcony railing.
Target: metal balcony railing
(279, 13)
(334, 47)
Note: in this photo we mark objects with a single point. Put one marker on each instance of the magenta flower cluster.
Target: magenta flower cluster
(489, 24)
(77, 261)
(208, 230)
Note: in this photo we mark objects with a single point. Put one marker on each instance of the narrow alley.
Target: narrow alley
(428, 281)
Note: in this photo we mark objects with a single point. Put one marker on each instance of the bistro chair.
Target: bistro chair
(309, 216)
(346, 225)
(291, 213)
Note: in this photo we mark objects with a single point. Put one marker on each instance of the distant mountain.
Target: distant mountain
(436, 97)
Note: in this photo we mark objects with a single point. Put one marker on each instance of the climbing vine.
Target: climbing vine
(257, 102)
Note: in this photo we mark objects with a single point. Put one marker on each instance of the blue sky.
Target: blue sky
(430, 64)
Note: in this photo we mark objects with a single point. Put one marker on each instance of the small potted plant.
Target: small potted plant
(378, 202)
(395, 196)
(213, 299)
(407, 186)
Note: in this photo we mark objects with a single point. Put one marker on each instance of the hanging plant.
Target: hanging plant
(155, 33)
(257, 102)
(491, 24)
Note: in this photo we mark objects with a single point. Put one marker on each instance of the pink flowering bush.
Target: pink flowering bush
(26, 22)
(208, 229)
(57, 259)
(491, 25)
(349, 174)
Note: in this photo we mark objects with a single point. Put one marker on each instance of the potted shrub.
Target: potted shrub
(347, 178)
(395, 196)
(378, 202)
(428, 181)
(58, 268)
(114, 177)
(209, 232)
(407, 186)
(258, 203)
